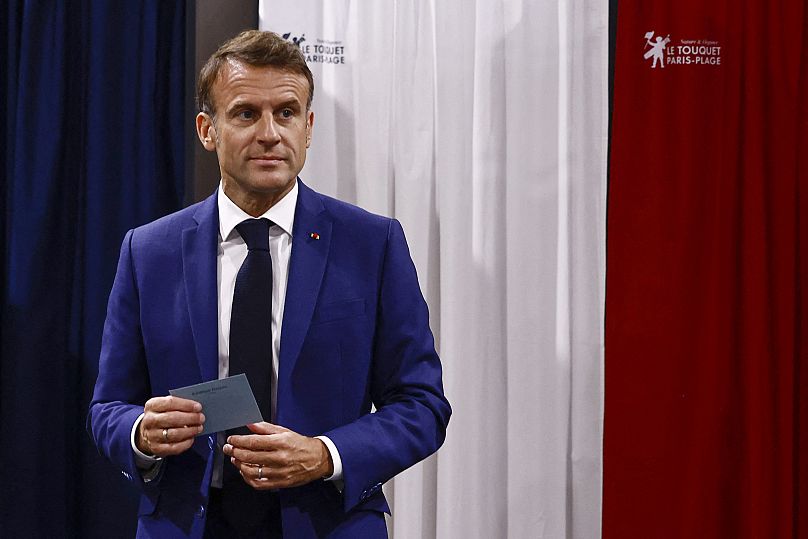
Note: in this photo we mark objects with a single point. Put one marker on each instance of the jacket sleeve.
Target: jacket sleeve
(406, 387)
(122, 386)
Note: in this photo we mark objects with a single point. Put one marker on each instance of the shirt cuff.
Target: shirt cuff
(147, 464)
(335, 459)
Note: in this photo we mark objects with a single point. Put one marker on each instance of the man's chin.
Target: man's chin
(258, 187)
(274, 185)
(271, 187)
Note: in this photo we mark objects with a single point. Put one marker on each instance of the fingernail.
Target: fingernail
(201, 418)
(197, 407)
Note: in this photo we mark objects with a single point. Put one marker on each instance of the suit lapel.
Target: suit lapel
(311, 239)
(199, 244)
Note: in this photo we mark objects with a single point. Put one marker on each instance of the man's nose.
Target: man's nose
(268, 130)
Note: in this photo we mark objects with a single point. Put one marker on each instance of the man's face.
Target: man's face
(260, 133)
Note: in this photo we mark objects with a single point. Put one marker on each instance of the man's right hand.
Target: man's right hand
(169, 426)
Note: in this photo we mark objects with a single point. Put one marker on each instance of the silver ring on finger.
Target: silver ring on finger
(260, 472)
(165, 435)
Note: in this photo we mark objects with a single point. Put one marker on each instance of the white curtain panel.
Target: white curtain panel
(482, 126)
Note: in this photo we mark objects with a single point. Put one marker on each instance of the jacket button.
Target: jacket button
(200, 512)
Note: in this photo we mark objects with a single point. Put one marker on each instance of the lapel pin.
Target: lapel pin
(314, 236)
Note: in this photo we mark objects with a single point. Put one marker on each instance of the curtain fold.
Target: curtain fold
(482, 127)
(91, 146)
(801, 370)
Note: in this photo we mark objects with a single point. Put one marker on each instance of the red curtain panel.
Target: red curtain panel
(706, 382)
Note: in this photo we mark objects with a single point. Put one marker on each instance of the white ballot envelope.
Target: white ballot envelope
(227, 403)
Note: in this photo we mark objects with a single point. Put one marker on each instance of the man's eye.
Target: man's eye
(246, 115)
(287, 113)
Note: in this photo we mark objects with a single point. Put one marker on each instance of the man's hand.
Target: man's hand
(280, 457)
(169, 426)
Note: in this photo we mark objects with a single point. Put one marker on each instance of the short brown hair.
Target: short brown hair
(254, 48)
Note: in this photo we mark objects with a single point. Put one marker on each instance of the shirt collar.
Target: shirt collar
(230, 215)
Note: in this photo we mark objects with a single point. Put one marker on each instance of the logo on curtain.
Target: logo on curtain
(296, 40)
(322, 51)
(662, 51)
(657, 51)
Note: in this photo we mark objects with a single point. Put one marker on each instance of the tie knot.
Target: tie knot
(255, 233)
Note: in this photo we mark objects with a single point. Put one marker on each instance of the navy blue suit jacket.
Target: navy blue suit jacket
(355, 334)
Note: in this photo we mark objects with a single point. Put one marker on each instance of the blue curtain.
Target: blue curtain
(92, 145)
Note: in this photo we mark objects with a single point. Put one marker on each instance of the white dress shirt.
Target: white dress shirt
(231, 254)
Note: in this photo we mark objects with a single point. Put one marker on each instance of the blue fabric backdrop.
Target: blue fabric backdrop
(92, 145)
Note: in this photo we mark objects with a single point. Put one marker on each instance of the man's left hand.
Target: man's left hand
(275, 457)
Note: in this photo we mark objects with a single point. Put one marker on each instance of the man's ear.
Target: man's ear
(206, 131)
(309, 127)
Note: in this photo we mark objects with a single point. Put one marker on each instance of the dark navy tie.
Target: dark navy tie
(251, 318)
(251, 354)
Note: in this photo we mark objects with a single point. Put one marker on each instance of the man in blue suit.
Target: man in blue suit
(345, 328)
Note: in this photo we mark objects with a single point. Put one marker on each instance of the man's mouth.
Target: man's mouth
(267, 159)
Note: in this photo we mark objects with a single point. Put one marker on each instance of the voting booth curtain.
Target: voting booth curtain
(481, 125)
(706, 359)
(92, 97)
